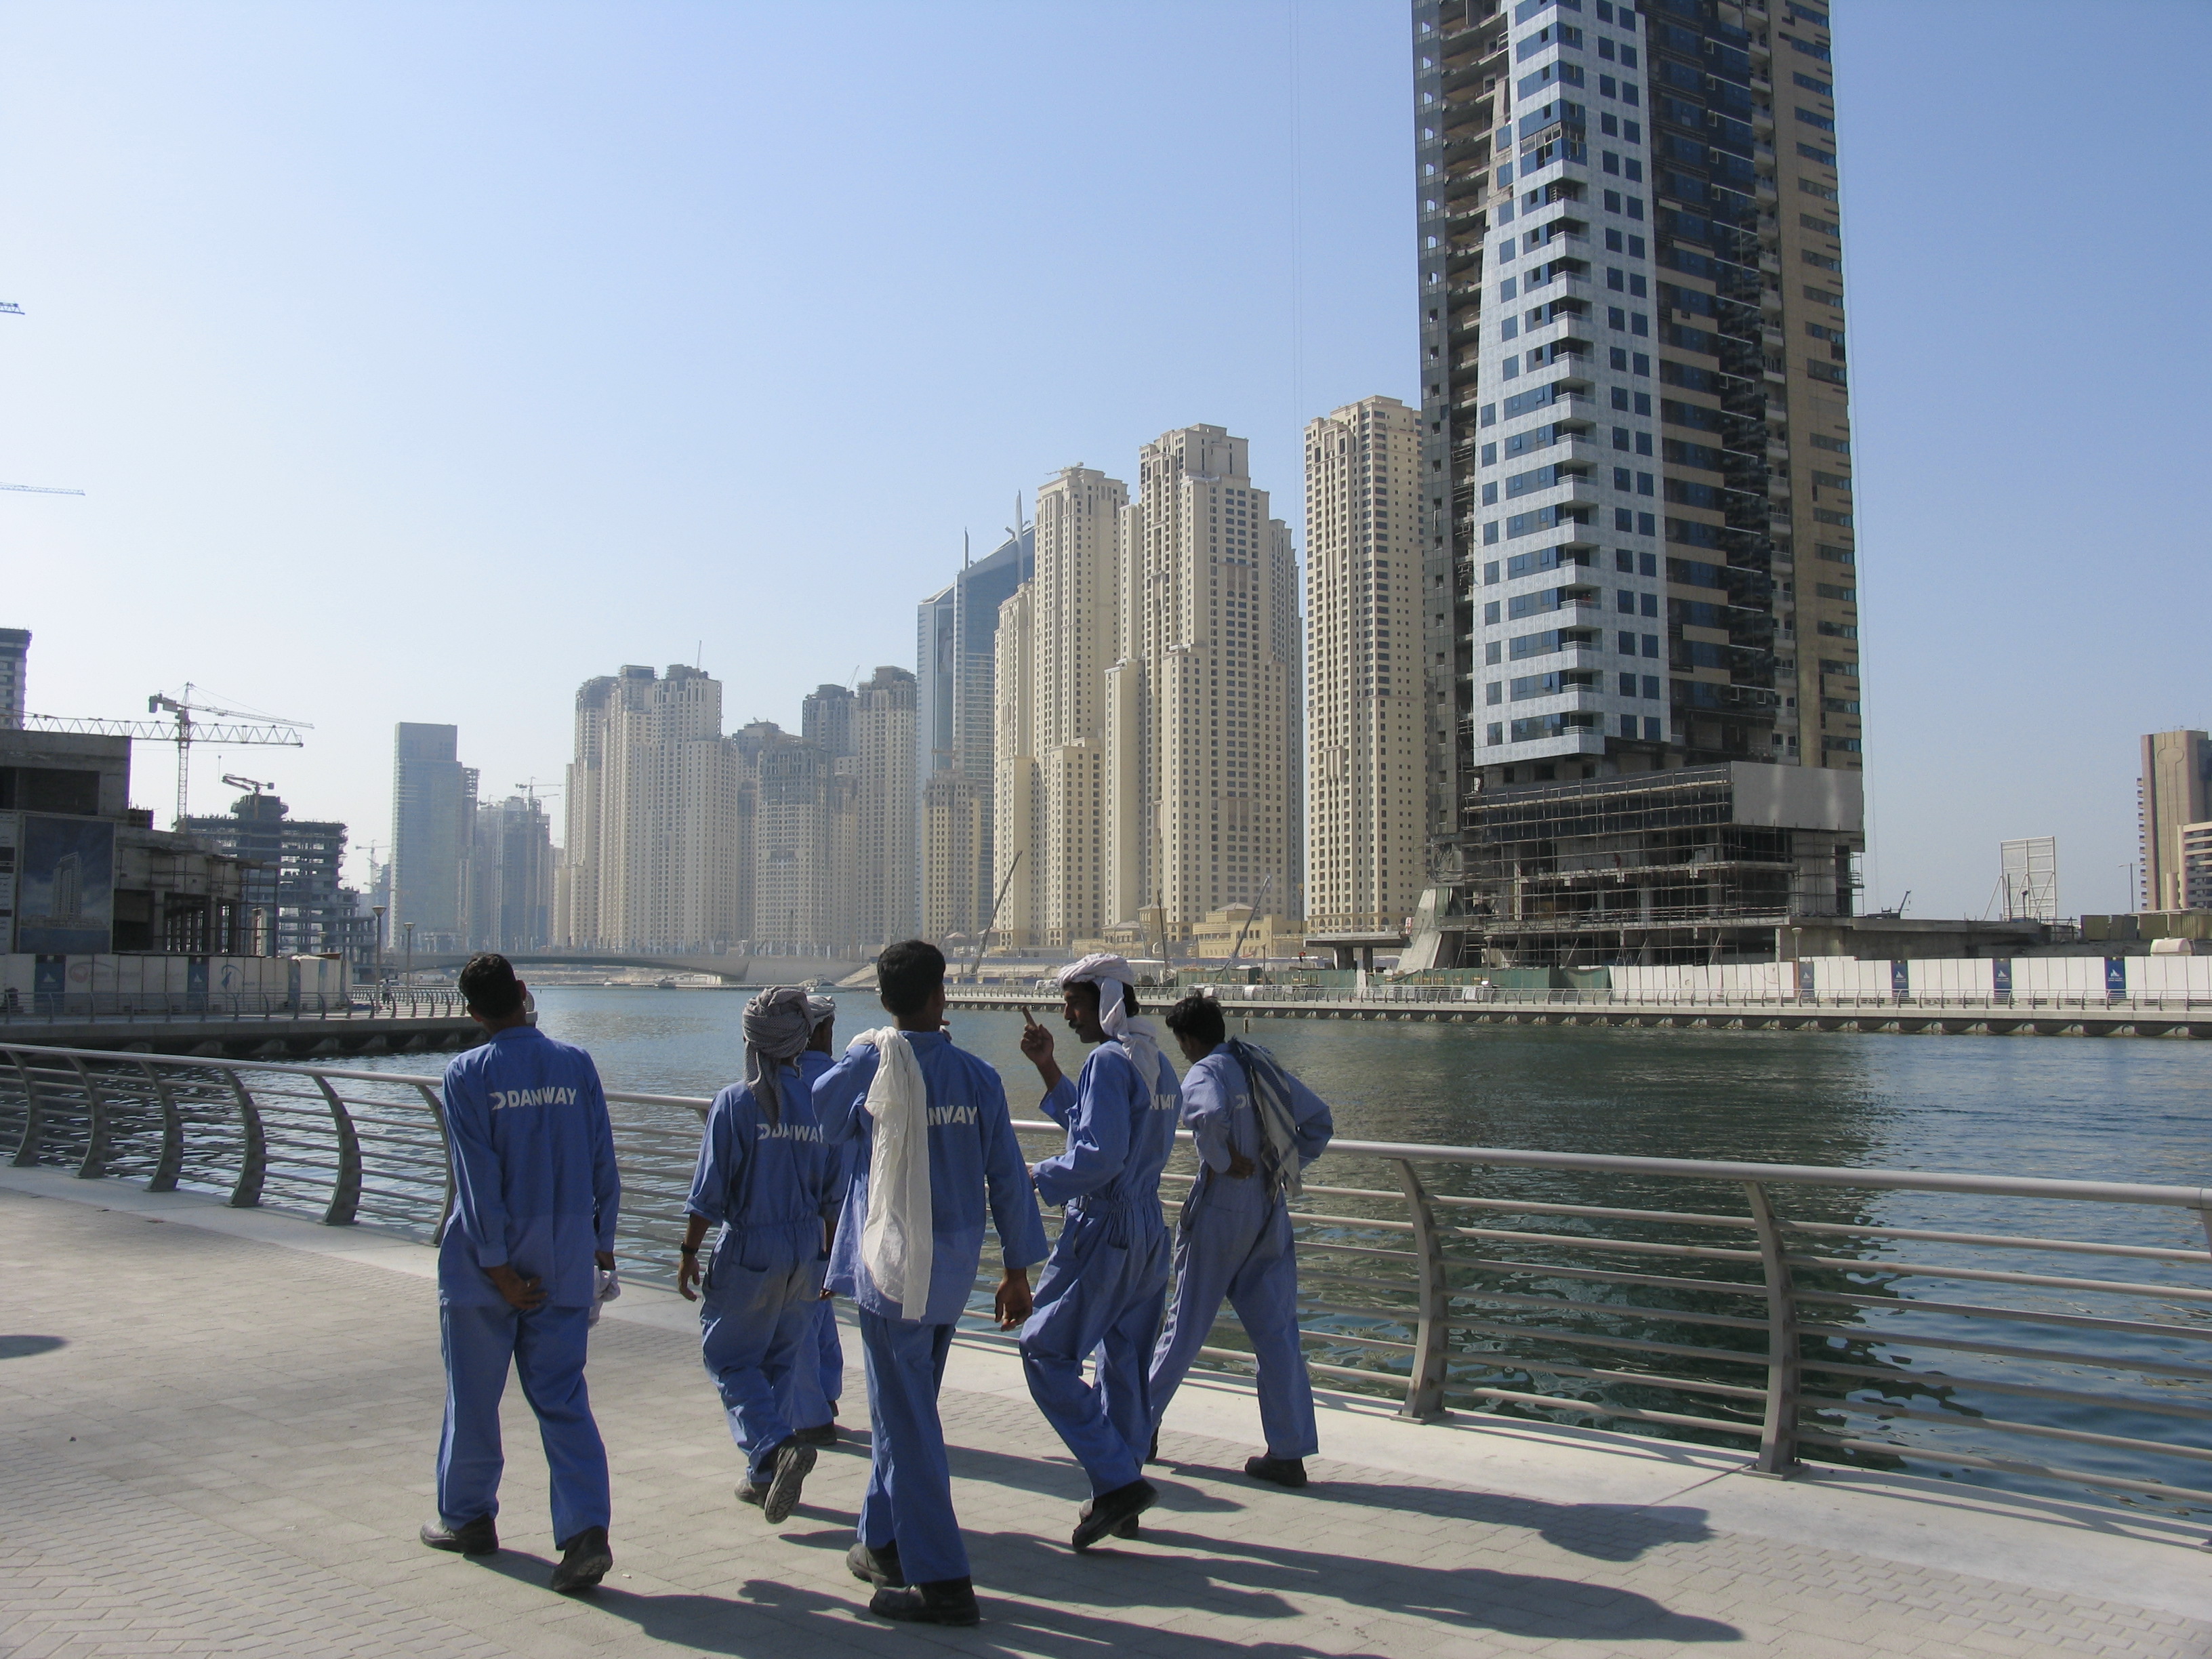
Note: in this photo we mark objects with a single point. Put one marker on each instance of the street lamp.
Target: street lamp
(408, 978)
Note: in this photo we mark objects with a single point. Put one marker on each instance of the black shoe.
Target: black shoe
(585, 1560)
(1109, 1509)
(879, 1567)
(794, 1461)
(477, 1537)
(749, 1494)
(822, 1434)
(947, 1602)
(1129, 1528)
(1283, 1471)
(1153, 1455)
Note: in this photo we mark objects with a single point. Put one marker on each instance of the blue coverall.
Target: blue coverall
(828, 1347)
(1104, 1287)
(1235, 1242)
(769, 1184)
(535, 1188)
(973, 1152)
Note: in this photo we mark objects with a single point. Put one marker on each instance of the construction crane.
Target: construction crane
(237, 782)
(184, 731)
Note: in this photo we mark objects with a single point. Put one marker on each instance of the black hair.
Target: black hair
(489, 986)
(1198, 1016)
(1097, 993)
(909, 973)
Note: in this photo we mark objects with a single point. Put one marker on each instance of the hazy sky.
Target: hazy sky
(422, 360)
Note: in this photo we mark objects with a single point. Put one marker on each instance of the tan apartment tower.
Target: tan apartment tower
(1058, 634)
(1639, 549)
(1364, 809)
(1204, 765)
(2173, 795)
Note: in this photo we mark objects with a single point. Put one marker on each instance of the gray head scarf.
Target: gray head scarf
(819, 1008)
(777, 1027)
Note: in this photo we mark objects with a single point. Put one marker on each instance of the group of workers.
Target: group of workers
(871, 1176)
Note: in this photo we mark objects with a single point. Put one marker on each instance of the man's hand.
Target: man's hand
(1012, 1302)
(1037, 1048)
(605, 1259)
(687, 1275)
(521, 1293)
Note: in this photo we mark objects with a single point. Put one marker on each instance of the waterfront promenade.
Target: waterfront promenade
(218, 1424)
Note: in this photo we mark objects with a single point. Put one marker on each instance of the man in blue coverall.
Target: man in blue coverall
(765, 1176)
(909, 1535)
(1234, 1237)
(1106, 1285)
(535, 1199)
(827, 1383)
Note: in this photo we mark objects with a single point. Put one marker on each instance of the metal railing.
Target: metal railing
(1232, 994)
(129, 1007)
(1858, 1316)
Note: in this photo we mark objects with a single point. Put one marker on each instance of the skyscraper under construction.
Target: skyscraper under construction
(1640, 617)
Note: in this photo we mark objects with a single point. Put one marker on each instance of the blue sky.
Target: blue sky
(422, 360)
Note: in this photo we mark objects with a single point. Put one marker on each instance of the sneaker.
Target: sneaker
(822, 1434)
(477, 1537)
(879, 1567)
(1283, 1471)
(585, 1560)
(947, 1602)
(794, 1461)
(1109, 1509)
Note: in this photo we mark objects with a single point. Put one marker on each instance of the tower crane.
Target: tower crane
(183, 730)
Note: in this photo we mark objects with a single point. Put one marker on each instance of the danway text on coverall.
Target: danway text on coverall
(1234, 1241)
(972, 1152)
(769, 1185)
(1105, 1285)
(534, 1187)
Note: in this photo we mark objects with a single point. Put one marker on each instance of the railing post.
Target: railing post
(26, 1144)
(254, 1165)
(1777, 1435)
(445, 1145)
(1425, 1387)
(345, 1193)
(93, 1164)
(171, 1162)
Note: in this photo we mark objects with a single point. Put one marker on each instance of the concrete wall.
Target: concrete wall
(170, 976)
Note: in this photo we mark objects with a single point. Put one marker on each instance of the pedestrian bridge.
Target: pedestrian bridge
(1552, 1387)
(763, 969)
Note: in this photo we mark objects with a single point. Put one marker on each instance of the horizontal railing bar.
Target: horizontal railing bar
(1354, 1249)
(1297, 1216)
(1983, 1311)
(1351, 1192)
(1591, 1340)
(1652, 1379)
(1406, 1286)
(1616, 1310)
(2173, 1367)
(1584, 1241)
(2030, 1390)
(2006, 1240)
(1401, 1315)
(1996, 1276)
(1632, 1413)
(1358, 1341)
(1688, 1217)
(1657, 1281)
(2007, 1425)
(2002, 1465)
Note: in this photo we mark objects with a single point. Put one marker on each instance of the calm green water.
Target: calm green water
(2108, 1109)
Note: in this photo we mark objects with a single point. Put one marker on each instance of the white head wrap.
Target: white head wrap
(897, 1244)
(1139, 1037)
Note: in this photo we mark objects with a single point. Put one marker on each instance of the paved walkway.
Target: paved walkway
(216, 1428)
